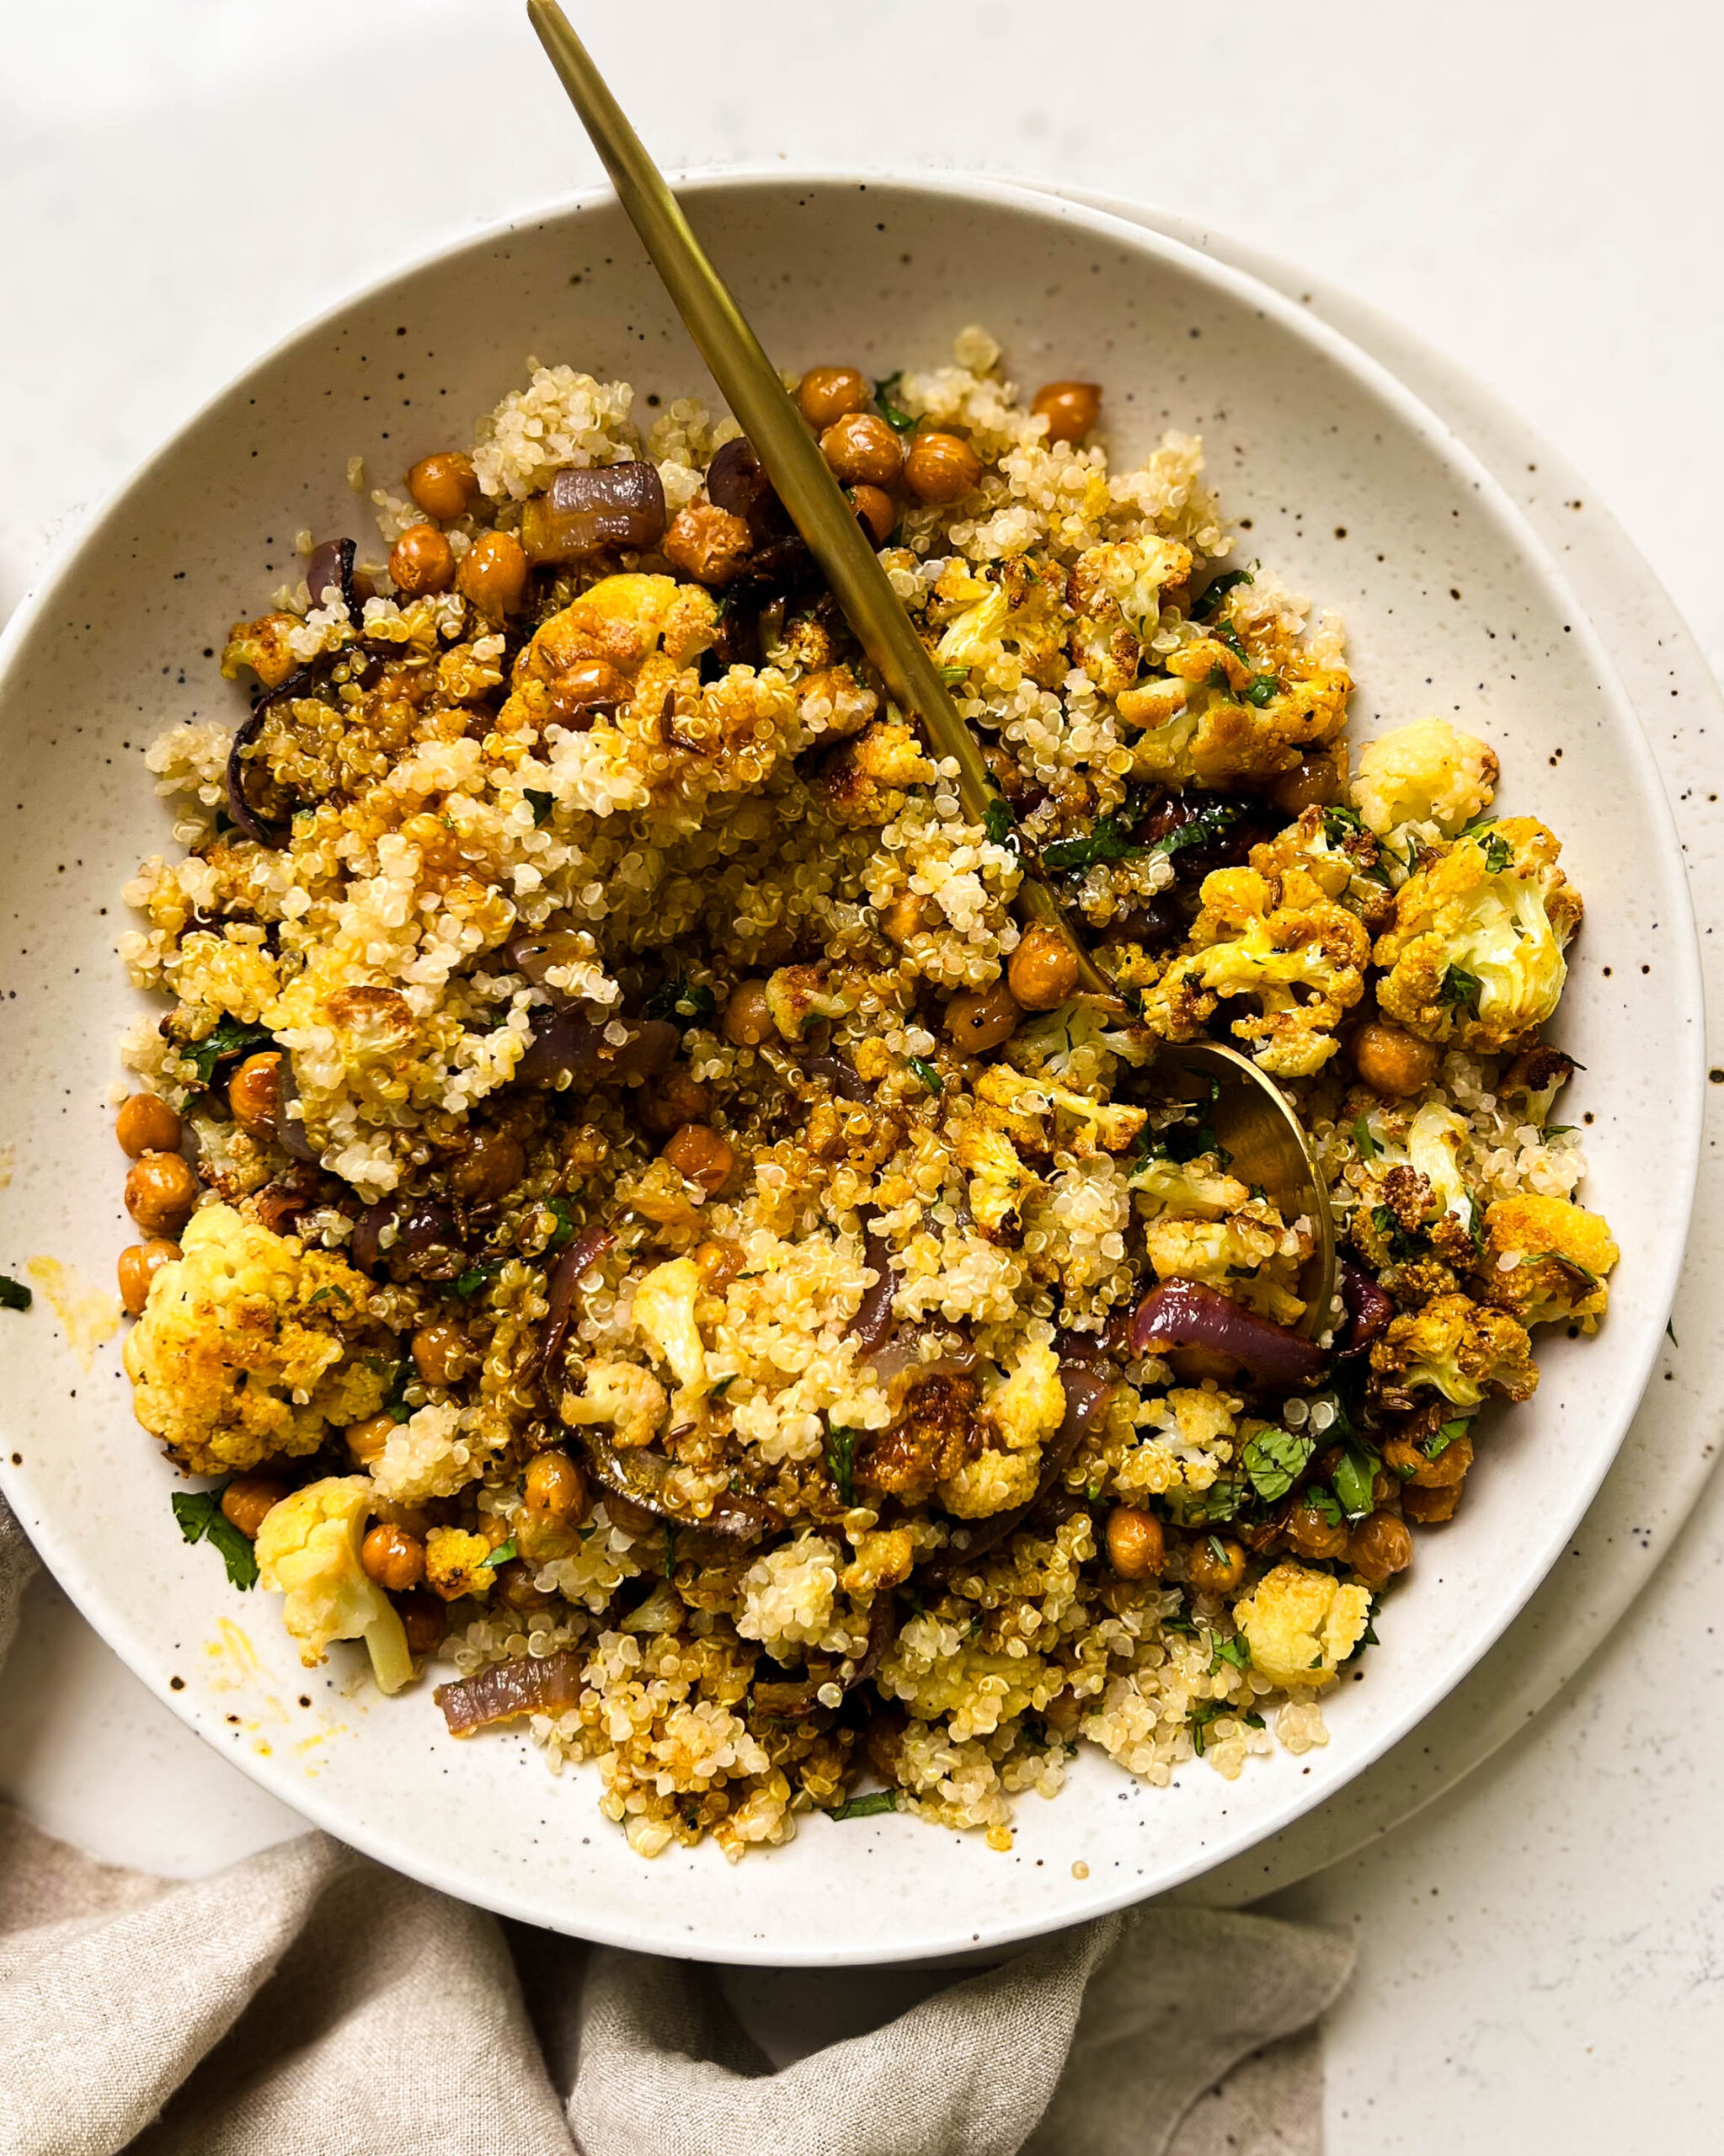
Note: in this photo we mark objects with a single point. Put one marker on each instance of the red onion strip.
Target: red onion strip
(1189, 1314)
(546, 1685)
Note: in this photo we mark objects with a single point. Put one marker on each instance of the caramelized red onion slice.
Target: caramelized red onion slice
(846, 1082)
(568, 1050)
(598, 508)
(330, 569)
(543, 1685)
(1368, 1306)
(423, 1224)
(737, 481)
(872, 1321)
(641, 1477)
(1189, 1314)
(571, 1268)
(793, 1698)
(261, 832)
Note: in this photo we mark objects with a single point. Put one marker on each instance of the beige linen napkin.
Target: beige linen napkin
(309, 2003)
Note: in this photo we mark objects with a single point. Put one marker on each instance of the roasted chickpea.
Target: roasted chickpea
(877, 510)
(1412, 1463)
(1378, 1547)
(1216, 1566)
(495, 1161)
(139, 1264)
(720, 1261)
(1071, 408)
(160, 1193)
(424, 1620)
(1136, 1549)
(254, 1094)
(441, 1351)
(445, 485)
(554, 1486)
(366, 1440)
(747, 1022)
(940, 468)
(829, 394)
(1042, 971)
(493, 574)
(1314, 781)
(906, 915)
(862, 451)
(882, 1742)
(394, 1559)
(1392, 1061)
(515, 1583)
(247, 1498)
(421, 561)
(701, 1156)
(664, 1104)
(1313, 1533)
(1062, 1713)
(146, 1124)
(980, 1019)
(579, 694)
(1430, 1507)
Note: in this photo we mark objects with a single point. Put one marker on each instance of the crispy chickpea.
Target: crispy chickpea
(981, 1018)
(139, 1264)
(1136, 1549)
(940, 468)
(877, 510)
(1313, 1533)
(424, 1619)
(720, 1261)
(1413, 1464)
(1314, 781)
(1042, 971)
(1378, 1547)
(247, 1498)
(1430, 1507)
(146, 1124)
(862, 451)
(829, 394)
(701, 1156)
(665, 1104)
(421, 561)
(747, 1022)
(493, 574)
(366, 1440)
(254, 1094)
(554, 1487)
(1392, 1061)
(1216, 1566)
(160, 1191)
(440, 1352)
(445, 485)
(515, 1583)
(495, 1161)
(907, 915)
(580, 693)
(1071, 408)
(394, 1559)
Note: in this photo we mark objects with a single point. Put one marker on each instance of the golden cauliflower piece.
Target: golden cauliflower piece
(1038, 1113)
(308, 1550)
(797, 994)
(1243, 1255)
(1233, 723)
(630, 1399)
(1277, 939)
(457, 1563)
(263, 646)
(239, 1353)
(1006, 626)
(664, 1311)
(1000, 1184)
(1474, 953)
(1300, 1625)
(1458, 1348)
(866, 780)
(1428, 772)
(1021, 1416)
(1546, 1261)
(624, 619)
(1115, 592)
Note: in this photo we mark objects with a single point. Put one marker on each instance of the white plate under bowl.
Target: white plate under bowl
(1354, 491)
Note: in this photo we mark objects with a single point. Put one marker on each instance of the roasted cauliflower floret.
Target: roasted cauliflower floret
(1000, 1184)
(1474, 953)
(797, 996)
(240, 1354)
(1039, 1113)
(630, 1399)
(1200, 1187)
(1233, 723)
(263, 646)
(1547, 1261)
(1004, 627)
(1018, 1418)
(1114, 591)
(664, 1311)
(457, 1563)
(1248, 1255)
(1428, 772)
(308, 1551)
(1298, 955)
(1300, 1625)
(867, 781)
(1458, 1348)
(623, 619)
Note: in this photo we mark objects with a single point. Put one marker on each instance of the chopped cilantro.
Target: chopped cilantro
(1340, 825)
(930, 1077)
(684, 1007)
(1497, 853)
(1229, 639)
(1215, 590)
(1322, 1500)
(564, 1230)
(1234, 1651)
(1368, 1638)
(1180, 1619)
(503, 1553)
(1260, 688)
(475, 1277)
(1111, 839)
(201, 1519)
(1212, 1710)
(1368, 1146)
(866, 1807)
(1354, 1479)
(13, 1294)
(1000, 823)
(1460, 991)
(396, 1404)
(1436, 1446)
(542, 803)
(1217, 1549)
(1275, 1459)
(723, 1386)
(230, 1038)
(841, 1444)
(885, 391)
(1220, 1500)
(1219, 678)
(1192, 1135)
(1403, 1248)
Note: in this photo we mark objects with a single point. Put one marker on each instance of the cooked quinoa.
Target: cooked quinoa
(645, 1233)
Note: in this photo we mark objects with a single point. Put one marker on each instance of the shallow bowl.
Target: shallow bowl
(1342, 481)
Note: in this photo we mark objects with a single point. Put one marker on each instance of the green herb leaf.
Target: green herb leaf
(1368, 1638)
(542, 803)
(723, 1386)
(230, 1038)
(1436, 1446)
(930, 1077)
(1460, 991)
(1322, 1500)
(900, 422)
(1275, 1459)
(1000, 825)
(1353, 1478)
(1234, 1651)
(1260, 688)
(396, 1404)
(564, 1230)
(684, 1007)
(1497, 852)
(841, 1444)
(1340, 825)
(503, 1553)
(1215, 590)
(1111, 839)
(201, 1519)
(866, 1807)
(1230, 639)
(1403, 1248)
(1369, 1148)
(13, 1294)
(475, 1277)
(1212, 1710)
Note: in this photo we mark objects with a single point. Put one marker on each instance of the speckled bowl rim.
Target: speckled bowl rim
(1073, 1900)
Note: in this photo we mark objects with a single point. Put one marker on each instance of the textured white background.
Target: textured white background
(1534, 188)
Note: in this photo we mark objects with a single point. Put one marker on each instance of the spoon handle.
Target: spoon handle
(787, 449)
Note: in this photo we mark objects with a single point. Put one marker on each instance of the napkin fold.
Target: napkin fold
(309, 2003)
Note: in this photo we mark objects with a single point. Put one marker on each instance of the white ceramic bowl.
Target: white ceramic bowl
(1354, 492)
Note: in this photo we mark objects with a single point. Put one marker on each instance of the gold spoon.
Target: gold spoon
(1256, 1110)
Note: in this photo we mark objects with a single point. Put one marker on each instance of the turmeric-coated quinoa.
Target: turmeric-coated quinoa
(651, 1244)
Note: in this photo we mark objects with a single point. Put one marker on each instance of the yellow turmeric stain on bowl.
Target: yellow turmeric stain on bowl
(88, 1316)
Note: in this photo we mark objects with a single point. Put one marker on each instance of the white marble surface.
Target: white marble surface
(1532, 189)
